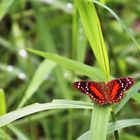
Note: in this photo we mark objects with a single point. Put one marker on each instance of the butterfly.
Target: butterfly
(105, 93)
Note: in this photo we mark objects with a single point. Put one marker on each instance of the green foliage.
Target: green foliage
(2, 101)
(4, 7)
(43, 70)
(10, 117)
(45, 47)
(130, 94)
(70, 64)
(94, 34)
(115, 126)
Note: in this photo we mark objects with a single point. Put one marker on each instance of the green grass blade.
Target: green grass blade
(6, 44)
(72, 101)
(45, 67)
(114, 126)
(100, 116)
(91, 24)
(94, 35)
(2, 102)
(82, 44)
(4, 6)
(136, 97)
(122, 124)
(129, 94)
(34, 108)
(129, 136)
(74, 33)
(84, 136)
(120, 21)
(36, 117)
(17, 132)
(4, 135)
(103, 1)
(79, 40)
(72, 65)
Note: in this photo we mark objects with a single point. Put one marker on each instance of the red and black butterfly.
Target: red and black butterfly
(105, 93)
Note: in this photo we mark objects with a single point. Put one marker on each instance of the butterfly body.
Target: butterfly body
(105, 93)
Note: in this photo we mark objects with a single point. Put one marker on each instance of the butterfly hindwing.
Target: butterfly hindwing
(123, 85)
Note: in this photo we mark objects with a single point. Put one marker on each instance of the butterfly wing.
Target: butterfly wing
(101, 93)
(119, 86)
(92, 89)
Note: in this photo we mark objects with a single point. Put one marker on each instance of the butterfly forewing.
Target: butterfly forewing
(92, 89)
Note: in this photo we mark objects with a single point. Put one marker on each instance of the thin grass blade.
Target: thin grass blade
(2, 102)
(4, 7)
(99, 120)
(37, 107)
(17, 132)
(71, 64)
(114, 126)
(122, 124)
(91, 24)
(129, 94)
(94, 35)
(120, 21)
(43, 70)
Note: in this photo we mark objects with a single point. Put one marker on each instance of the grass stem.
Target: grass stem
(116, 133)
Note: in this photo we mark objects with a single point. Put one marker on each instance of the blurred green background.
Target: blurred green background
(49, 26)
